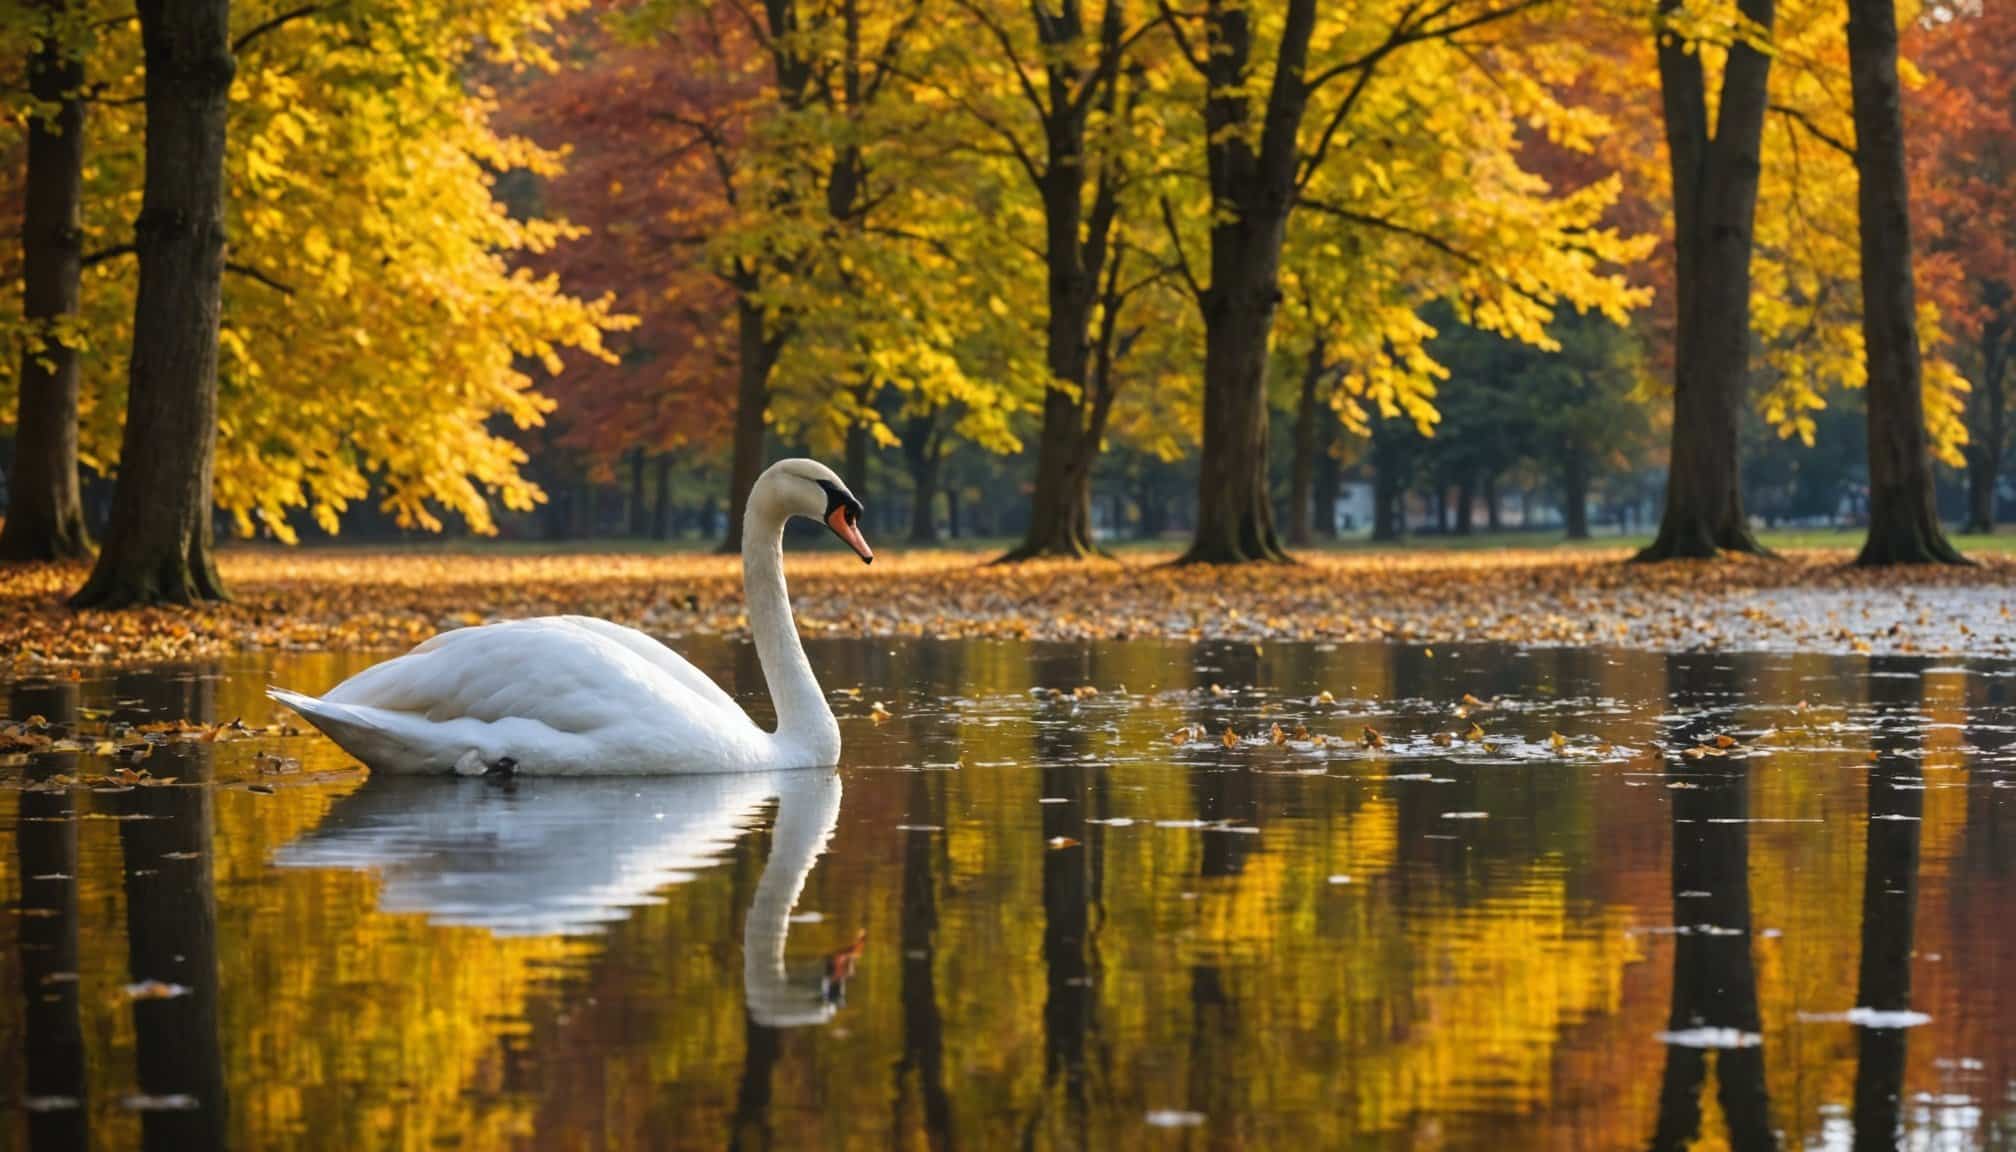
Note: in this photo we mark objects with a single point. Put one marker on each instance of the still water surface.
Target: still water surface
(1022, 919)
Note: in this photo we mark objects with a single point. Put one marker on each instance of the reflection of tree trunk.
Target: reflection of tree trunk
(1230, 794)
(1714, 973)
(1889, 909)
(171, 929)
(760, 1049)
(1069, 895)
(1214, 1044)
(46, 841)
(923, 1027)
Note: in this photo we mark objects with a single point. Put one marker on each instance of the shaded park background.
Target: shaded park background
(1047, 279)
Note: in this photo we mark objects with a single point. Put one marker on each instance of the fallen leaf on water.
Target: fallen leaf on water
(1442, 739)
(1230, 737)
(1476, 732)
(155, 990)
(1057, 842)
(1372, 738)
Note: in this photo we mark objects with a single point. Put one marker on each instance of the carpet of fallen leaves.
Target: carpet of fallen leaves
(369, 600)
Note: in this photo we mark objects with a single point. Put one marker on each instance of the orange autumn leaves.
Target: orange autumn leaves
(388, 601)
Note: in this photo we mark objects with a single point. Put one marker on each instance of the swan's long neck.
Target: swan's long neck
(804, 720)
(806, 814)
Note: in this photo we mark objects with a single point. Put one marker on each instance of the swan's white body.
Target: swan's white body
(575, 696)
(565, 857)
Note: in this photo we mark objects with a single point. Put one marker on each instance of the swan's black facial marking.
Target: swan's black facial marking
(838, 498)
(843, 516)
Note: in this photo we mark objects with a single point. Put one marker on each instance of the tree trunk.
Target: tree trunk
(1903, 518)
(640, 520)
(1494, 517)
(1575, 495)
(1328, 479)
(661, 505)
(952, 525)
(1389, 503)
(1302, 474)
(856, 464)
(923, 448)
(1714, 210)
(1439, 497)
(756, 353)
(45, 516)
(1989, 434)
(1466, 500)
(1253, 189)
(158, 543)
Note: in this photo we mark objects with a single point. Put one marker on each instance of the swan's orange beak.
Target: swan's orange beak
(845, 526)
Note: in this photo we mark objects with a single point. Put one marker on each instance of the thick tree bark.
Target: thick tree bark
(1302, 473)
(1903, 517)
(756, 354)
(1575, 495)
(1076, 256)
(158, 542)
(45, 516)
(1714, 210)
(1253, 190)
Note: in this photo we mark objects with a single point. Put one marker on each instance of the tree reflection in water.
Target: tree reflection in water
(1889, 910)
(46, 849)
(1714, 1019)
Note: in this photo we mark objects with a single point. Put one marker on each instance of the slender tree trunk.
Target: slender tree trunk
(1714, 210)
(856, 464)
(923, 447)
(1389, 517)
(1302, 474)
(1466, 501)
(640, 519)
(661, 504)
(1989, 405)
(1328, 480)
(953, 527)
(1575, 495)
(1903, 517)
(158, 544)
(756, 354)
(45, 516)
(1494, 517)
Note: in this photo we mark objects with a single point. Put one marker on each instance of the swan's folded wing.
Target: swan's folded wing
(566, 677)
(658, 656)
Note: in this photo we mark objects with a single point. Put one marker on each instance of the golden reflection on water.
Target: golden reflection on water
(1055, 954)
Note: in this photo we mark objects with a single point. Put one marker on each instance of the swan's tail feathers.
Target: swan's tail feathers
(357, 730)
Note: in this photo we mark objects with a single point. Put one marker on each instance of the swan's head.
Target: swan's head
(810, 489)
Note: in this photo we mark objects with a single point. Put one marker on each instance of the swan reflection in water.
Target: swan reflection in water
(551, 857)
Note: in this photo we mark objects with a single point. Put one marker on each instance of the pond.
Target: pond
(1463, 898)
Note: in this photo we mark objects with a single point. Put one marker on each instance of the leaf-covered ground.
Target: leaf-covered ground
(389, 600)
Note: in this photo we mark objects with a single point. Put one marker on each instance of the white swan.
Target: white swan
(568, 857)
(570, 695)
